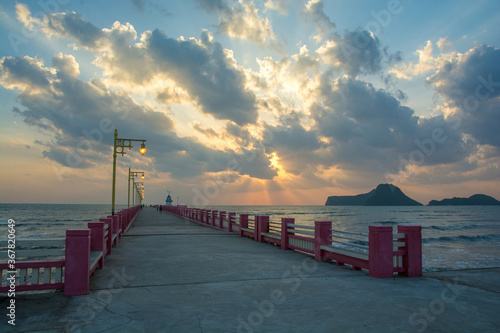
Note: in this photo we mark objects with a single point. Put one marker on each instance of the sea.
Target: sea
(453, 237)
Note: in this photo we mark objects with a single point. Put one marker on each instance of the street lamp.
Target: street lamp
(132, 175)
(118, 148)
(138, 193)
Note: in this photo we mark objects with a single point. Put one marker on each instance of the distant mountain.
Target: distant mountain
(349, 200)
(474, 200)
(383, 195)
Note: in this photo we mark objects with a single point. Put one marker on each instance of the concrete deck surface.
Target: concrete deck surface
(171, 275)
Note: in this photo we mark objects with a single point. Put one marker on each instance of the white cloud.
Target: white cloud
(427, 62)
(242, 20)
(444, 44)
(355, 52)
(315, 14)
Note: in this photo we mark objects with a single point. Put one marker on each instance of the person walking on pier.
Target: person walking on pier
(160, 208)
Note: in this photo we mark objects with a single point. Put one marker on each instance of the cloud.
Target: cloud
(356, 52)
(315, 14)
(255, 163)
(279, 5)
(444, 43)
(207, 131)
(62, 25)
(81, 116)
(201, 68)
(369, 129)
(205, 72)
(25, 73)
(295, 146)
(427, 62)
(138, 5)
(241, 20)
(66, 64)
(470, 83)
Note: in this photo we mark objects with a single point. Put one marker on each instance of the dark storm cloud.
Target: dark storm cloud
(81, 117)
(204, 71)
(355, 52)
(202, 68)
(19, 71)
(293, 137)
(471, 83)
(74, 26)
(366, 124)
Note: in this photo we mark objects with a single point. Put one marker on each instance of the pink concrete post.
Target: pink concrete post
(413, 239)
(230, 218)
(77, 262)
(109, 241)
(202, 215)
(243, 223)
(380, 255)
(125, 219)
(222, 215)
(263, 223)
(115, 227)
(214, 216)
(96, 236)
(97, 242)
(322, 236)
(119, 218)
(121, 215)
(284, 231)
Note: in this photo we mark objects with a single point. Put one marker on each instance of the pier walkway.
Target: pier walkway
(171, 275)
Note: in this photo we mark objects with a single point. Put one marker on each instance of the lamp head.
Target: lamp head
(143, 148)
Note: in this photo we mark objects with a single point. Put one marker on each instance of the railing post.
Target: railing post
(263, 223)
(412, 261)
(243, 223)
(284, 231)
(77, 262)
(214, 216)
(97, 239)
(380, 255)
(322, 236)
(115, 229)
(119, 219)
(256, 220)
(109, 244)
(222, 214)
(230, 217)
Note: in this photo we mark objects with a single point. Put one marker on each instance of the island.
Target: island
(474, 200)
(382, 195)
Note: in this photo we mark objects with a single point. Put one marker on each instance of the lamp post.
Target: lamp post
(137, 193)
(132, 175)
(118, 149)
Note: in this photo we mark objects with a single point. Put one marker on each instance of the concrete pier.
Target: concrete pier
(170, 275)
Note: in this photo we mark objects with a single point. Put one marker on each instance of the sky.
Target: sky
(270, 102)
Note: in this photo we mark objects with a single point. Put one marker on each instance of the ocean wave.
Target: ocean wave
(455, 227)
(36, 235)
(462, 238)
(394, 222)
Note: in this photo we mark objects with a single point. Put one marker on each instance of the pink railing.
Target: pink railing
(385, 254)
(84, 252)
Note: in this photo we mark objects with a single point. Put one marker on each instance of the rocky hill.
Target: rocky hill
(474, 200)
(383, 195)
